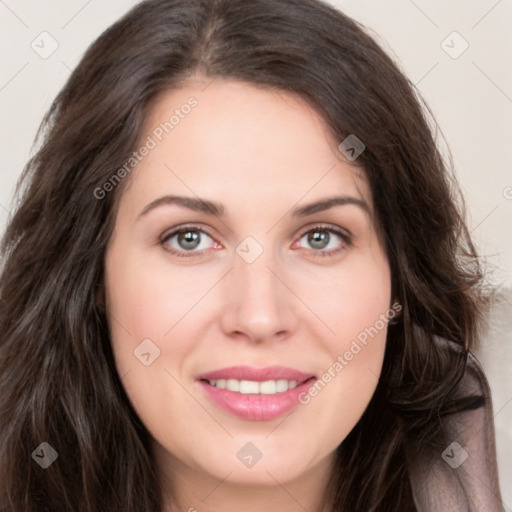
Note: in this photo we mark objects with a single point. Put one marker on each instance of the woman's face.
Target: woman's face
(271, 288)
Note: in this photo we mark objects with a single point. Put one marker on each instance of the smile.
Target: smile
(263, 394)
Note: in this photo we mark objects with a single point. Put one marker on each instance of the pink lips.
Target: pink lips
(257, 375)
(256, 406)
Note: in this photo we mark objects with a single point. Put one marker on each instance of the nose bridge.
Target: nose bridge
(258, 304)
(256, 281)
(256, 284)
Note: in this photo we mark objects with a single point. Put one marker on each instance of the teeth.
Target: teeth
(281, 385)
(233, 385)
(268, 387)
(248, 386)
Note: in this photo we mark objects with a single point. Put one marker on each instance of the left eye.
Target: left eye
(324, 239)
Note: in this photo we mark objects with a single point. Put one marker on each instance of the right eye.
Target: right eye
(189, 239)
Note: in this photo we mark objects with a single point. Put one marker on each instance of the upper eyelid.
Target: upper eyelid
(343, 233)
(174, 231)
(325, 227)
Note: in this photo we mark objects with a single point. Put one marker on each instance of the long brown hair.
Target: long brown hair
(58, 382)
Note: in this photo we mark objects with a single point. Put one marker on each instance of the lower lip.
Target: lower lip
(256, 406)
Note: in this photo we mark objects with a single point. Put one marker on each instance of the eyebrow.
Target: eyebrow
(325, 204)
(214, 208)
(191, 203)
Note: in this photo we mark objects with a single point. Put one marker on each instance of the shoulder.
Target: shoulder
(461, 475)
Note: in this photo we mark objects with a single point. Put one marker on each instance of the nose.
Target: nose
(258, 305)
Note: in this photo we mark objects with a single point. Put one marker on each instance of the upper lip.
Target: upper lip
(256, 374)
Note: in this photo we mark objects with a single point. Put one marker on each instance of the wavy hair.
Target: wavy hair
(58, 382)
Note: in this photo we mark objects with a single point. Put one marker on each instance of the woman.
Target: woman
(239, 277)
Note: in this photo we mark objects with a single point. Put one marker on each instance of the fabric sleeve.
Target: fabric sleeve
(463, 476)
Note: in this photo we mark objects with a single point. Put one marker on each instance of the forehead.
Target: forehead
(244, 144)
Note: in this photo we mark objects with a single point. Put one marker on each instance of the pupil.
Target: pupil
(188, 239)
(318, 239)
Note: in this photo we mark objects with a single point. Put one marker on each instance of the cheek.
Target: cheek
(149, 308)
(352, 297)
(149, 300)
(355, 304)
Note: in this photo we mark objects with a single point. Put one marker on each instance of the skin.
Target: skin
(262, 154)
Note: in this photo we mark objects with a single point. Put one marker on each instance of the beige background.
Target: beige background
(470, 95)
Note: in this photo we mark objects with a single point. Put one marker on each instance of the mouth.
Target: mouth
(256, 394)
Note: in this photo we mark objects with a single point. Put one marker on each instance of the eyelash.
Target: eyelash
(345, 237)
